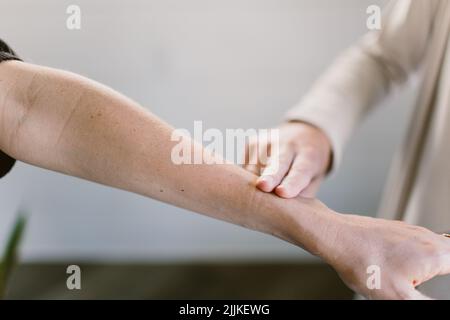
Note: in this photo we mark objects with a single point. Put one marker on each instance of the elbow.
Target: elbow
(16, 88)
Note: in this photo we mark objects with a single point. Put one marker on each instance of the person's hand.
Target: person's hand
(406, 256)
(298, 167)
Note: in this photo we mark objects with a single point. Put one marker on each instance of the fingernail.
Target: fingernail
(267, 179)
(265, 183)
(282, 191)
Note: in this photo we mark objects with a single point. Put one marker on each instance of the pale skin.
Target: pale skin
(63, 122)
(301, 163)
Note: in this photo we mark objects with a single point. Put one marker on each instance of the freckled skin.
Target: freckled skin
(66, 123)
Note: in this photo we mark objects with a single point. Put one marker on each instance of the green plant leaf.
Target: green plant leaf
(9, 258)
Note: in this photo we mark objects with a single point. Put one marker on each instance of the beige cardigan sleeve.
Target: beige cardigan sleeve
(364, 74)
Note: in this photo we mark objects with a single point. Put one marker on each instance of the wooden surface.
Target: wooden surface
(176, 281)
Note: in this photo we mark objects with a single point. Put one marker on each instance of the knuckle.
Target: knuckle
(434, 251)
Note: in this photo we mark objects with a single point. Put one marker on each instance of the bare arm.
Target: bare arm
(64, 122)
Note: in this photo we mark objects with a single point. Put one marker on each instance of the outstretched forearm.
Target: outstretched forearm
(64, 122)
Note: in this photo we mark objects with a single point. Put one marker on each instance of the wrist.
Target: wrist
(311, 225)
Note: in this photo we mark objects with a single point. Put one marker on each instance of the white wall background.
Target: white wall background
(230, 63)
